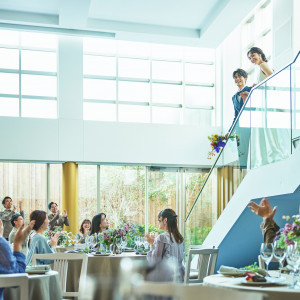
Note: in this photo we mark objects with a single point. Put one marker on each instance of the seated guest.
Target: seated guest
(167, 245)
(38, 243)
(99, 223)
(13, 262)
(7, 214)
(268, 226)
(17, 221)
(55, 219)
(84, 231)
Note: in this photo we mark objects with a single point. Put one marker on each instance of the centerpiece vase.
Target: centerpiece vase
(114, 249)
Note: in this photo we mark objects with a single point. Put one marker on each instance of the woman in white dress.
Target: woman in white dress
(268, 145)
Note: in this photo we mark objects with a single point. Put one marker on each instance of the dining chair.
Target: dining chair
(201, 262)
(16, 280)
(61, 261)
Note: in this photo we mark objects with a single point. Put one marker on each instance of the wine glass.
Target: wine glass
(293, 259)
(118, 243)
(267, 252)
(279, 254)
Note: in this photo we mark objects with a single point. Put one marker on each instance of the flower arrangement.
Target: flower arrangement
(110, 235)
(65, 238)
(218, 141)
(290, 233)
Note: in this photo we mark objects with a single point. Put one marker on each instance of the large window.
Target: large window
(257, 31)
(33, 184)
(28, 74)
(147, 83)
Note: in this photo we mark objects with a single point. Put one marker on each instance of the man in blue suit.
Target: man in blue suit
(238, 99)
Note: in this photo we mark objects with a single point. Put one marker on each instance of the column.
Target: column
(70, 194)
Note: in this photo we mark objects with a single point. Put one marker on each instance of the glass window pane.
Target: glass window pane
(134, 91)
(136, 49)
(199, 54)
(198, 117)
(26, 182)
(162, 194)
(9, 37)
(9, 107)
(278, 99)
(297, 121)
(198, 95)
(134, 113)
(164, 70)
(99, 111)
(9, 83)
(39, 61)
(278, 120)
(99, 45)
(123, 194)
(55, 182)
(39, 108)
(39, 40)
(99, 65)
(169, 52)
(165, 115)
(39, 85)
(9, 58)
(99, 89)
(135, 68)
(87, 192)
(199, 73)
(166, 93)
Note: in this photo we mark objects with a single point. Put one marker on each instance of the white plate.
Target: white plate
(231, 273)
(270, 281)
(101, 254)
(143, 253)
(32, 271)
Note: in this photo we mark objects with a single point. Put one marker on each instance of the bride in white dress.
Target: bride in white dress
(268, 145)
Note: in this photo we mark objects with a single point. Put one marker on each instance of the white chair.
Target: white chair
(16, 280)
(61, 261)
(206, 264)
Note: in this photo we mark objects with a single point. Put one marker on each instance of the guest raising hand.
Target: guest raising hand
(268, 227)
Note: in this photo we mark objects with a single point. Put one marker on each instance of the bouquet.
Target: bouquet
(290, 233)
(65, 238)
(218, 141)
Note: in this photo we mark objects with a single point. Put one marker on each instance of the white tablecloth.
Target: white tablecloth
(276, 292)
(41, 287)
(102, 274)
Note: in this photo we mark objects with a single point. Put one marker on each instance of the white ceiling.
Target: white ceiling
(195, 22)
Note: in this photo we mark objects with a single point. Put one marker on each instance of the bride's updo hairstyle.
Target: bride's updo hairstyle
(258, 51)
(172, 224)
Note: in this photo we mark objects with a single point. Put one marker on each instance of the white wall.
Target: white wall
(69, 138)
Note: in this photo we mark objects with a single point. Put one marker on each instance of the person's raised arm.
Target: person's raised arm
(21, 236)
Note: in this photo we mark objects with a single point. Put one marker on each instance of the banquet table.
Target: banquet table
(274, 292)
(40, 287)
(102, 274)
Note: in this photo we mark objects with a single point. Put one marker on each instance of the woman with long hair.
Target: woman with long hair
(84, 231)
(269, 144)
(99, 223)
(38, 243)
(168, 245)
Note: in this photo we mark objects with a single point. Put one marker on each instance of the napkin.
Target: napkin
(231, 270)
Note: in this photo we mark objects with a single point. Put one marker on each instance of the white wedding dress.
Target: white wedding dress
(268, 145)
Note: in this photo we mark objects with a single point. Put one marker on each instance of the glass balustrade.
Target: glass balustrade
(266, 131)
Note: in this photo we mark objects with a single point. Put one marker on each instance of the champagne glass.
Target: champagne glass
(279, 254)
(267, 252)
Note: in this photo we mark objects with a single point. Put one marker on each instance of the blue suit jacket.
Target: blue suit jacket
(238, 105)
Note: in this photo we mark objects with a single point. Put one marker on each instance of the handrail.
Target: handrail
(233, 127)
